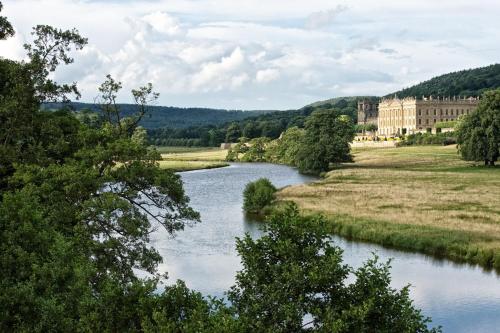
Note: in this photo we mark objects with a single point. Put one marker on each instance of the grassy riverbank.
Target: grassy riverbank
(416, 198)
(187, 159)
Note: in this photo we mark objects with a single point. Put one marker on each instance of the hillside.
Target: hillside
(174, 117)
(351, 100)
(470, 82)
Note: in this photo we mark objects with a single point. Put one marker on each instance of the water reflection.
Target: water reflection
(460, 297)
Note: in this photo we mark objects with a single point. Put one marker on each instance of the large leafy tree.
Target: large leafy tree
(78, 203)
(328, 134)
(285, 149)
(293, 280)
(479, 133)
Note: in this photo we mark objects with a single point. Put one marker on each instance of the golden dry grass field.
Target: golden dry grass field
(186, 159)
(416, 198)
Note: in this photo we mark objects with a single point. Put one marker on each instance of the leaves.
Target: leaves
(478, 134)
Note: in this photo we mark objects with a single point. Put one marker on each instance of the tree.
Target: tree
(293, 280)
(23, 87)
(326, 140)
(256, 150)
(478, 134)
(251, 130)
(78, 203)
(257, 195)
(285, 149)
(6, 29)
(233, 133)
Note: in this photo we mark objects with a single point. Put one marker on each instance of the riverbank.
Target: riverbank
(188, 159)
(421, 199)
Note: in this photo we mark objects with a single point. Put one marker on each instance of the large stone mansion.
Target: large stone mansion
(394, 116)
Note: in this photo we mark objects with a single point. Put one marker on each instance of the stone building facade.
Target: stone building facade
(410, 115)
(367, 112)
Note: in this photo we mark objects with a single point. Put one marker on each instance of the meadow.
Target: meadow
(421, 198)
(195, 158)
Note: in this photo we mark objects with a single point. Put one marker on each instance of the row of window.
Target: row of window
(409, 122)
(452, 112)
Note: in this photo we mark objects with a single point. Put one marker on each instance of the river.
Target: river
(459, 297)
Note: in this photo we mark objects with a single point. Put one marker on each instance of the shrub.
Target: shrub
(257, 195)
(430, 139)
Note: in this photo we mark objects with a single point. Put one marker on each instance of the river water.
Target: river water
(459, 297)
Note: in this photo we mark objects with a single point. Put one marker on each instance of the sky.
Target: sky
(263, 54)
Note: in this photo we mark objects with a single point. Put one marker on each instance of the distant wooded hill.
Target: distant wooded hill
(210, 127)
(470, 82)
(173, 117)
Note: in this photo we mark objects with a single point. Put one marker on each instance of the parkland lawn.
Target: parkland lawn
(415, 198)
(186, 159)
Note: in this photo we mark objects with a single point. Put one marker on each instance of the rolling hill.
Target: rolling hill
(470, 82)
(173, 117)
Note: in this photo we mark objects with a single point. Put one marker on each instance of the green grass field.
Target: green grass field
(186, 158)
(421, 198)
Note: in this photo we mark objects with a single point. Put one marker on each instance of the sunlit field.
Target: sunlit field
(186, 158)
(417, 198)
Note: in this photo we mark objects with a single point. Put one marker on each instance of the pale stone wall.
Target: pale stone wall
(374, 144)
(367, 112)
(409, 115)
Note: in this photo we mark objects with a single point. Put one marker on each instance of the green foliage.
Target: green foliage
(446, 124)
(256, 150)
(294, 272)
(233, 133)
(471, 82)
(326, 140)
(429, 139)
(365, 127)
(79, 199)
(264, 124)
(164, 119)
(78, 203)
(479, 132)
(6, 29)
(257, 195)
(233, 154)
(285, 149)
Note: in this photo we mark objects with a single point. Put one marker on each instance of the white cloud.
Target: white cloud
(267, 75)
(246, 54)
(321, 19)
(163, 23)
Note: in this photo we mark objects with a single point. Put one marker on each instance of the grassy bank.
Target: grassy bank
(187, 159)
(415, 198)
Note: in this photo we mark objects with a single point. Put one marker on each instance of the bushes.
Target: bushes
(257, 195)
(430, 139)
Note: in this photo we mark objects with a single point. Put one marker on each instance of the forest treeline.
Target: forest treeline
(168, 116)
(204, 127)
(269, 125)
(470, 82)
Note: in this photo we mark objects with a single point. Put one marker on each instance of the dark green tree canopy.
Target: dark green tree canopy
(6, 29)
(293, 280)
(328, 134)
(479, 133)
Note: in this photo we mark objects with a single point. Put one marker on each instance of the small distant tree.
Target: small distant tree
(257, 195)
(478, 134)
(326, 140)
(256, 150)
